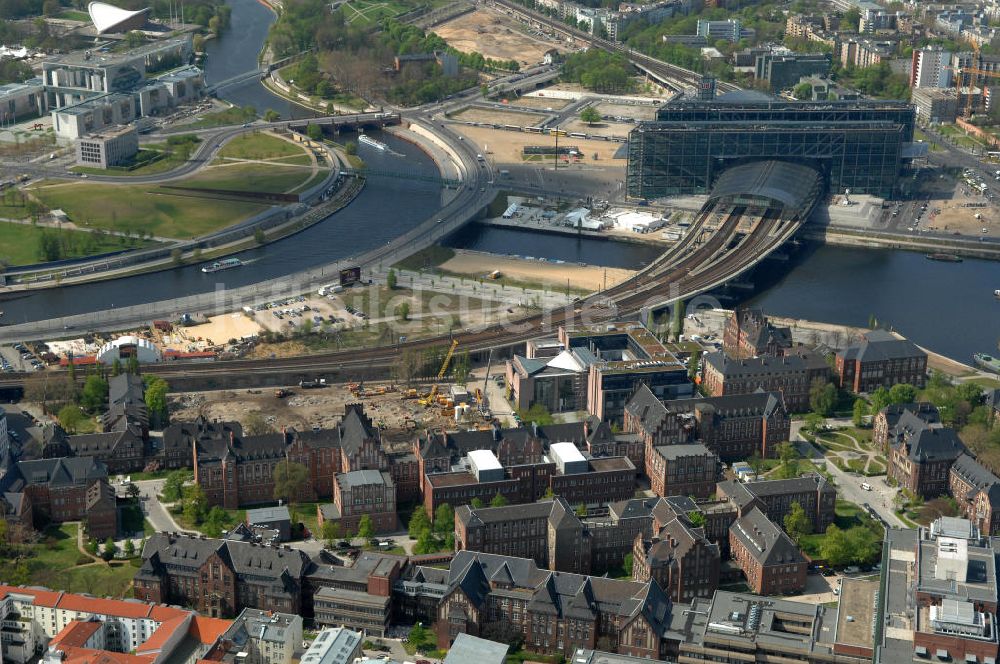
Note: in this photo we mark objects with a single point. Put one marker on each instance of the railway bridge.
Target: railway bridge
(753, 209)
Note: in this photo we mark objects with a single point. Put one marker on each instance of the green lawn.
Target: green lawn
(229, 116)
(19, 243)
(144, 208)
(314, 180)
(153, 163)
(258, 146)
(53, 562)
(430, 257)
(14, 211)
(251, 177)
(370, 12)
(985, 383)
(74, 15)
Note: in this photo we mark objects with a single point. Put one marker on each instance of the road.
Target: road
(849, 484)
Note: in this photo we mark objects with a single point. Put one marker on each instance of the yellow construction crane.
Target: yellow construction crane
(965, 100)
(429, 399)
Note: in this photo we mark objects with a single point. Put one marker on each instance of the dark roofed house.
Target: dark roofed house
(977, 492)
(680, 559)
(775, 498)
(791, 374)
(748, 333)
(65, 489)
(880, 359)
(556, 611)
(770, 560)
(733, 427)
(682, 470)
(886, 420)
(921, 454)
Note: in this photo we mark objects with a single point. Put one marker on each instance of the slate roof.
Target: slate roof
(676, 539)
(357, 478)
(650, 411)
(60, 472)
(879, 345)
(979, 477)
(766, 542)
(766, 364)
(927, 412)
(559, 593)
(104, 444)
(478, 516)
(678, 451)
(926, 442)
(125, 389)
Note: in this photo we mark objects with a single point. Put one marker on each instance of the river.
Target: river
(385, 209)
(948, 308)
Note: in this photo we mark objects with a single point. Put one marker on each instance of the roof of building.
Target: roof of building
(766, 542)
(336, 645)
(879, 345)
(794, 186)
(108, 18)
(672, 452)
(675, 539)
(649, 411)
(975, 474)
(61, 472)
(926, 442)
(766, 364)
(583, 656)
(256, 624)
(268, 514)
(468, 648)
(473, 517)
(126, 388)
(357, 478)
(76, 633)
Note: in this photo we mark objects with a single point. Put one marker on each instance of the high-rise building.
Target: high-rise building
(930, 68)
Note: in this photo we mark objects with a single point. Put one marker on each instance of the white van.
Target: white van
(866, 486)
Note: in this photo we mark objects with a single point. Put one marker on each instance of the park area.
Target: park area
(366, 13)
(193, 206)
(851, 450)
(494, 36)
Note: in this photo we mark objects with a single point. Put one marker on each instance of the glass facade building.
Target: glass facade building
(856, 145)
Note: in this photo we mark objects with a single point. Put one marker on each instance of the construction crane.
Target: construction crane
(973, 72)
(429, 399)
(486, 382)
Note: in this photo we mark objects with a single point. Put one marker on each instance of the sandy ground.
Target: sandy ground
(506, 146)
(588, 277)
(294, 312)
(494, 36)
(618, 129)
(541, 103)
(491, 116)
(958, 213)
(220, 329)
(323, 407)
(634, 111)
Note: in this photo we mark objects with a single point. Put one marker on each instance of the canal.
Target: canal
(387, 207)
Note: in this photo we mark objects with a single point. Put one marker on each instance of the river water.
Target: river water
(946, 307)
(385, 209)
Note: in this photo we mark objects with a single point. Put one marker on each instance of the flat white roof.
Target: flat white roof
(484, 460)
(567, 452)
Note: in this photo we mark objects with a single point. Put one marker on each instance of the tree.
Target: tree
(859, 412)
(129, 548)
(425, 543)
(116, 367)
(498, 500)
(271, 115)
(195, 504)
(478, 504)
(756, 462)
(156, 402)
(365, 527)
(822, 396)
(629, 564)
(444, 519)
(696, 518)
(789, 456)
(390, 280)
(259, 236)
(404, 311)
(581, 510)
(851, 20)
(419, 523)
(835, 547)
(803, 91)
(70, 417)
(254, 424)
(590, 115)
(537, 414)
(290, 479)
(95, 391)
(314, 132)
(797, 523)
(693, 362)
(879, 399)
(132, 491)
(91, 547)
(350, 148)
(109, 549)
(902, 393)
(173, 486)
(330, 533)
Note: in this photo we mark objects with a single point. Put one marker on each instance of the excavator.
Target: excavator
(430, 398)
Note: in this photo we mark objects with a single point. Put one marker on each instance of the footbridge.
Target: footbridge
(338, 123)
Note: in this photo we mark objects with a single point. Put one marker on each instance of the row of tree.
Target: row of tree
(598, 70)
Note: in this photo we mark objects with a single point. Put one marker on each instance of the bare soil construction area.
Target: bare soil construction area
(587, 277)
(632, 111)
(541, 103)
(505, 147)
(493, 36)
(497, 116)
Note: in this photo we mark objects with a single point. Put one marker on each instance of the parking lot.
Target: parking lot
(19, 358)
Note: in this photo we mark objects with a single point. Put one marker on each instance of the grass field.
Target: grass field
(259, 146)
(53, 562)
(143, 208)
(74, 15)
(14, 211)
(369, 12)
(154, 164)
(19, 243)
(251, 177)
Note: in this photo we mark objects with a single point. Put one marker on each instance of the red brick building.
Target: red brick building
(977, 492)
(880, 359)
(885, 420)
(749, 334)
(790, 374)
(775, 498)
(770, 560)
(359, 493)
(679, 559)
(682, 470)
(733, 427)
(65, 489)
(921, 455)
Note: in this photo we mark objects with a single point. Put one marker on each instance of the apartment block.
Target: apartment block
(682, 470)
(790, 374)
(880, 359)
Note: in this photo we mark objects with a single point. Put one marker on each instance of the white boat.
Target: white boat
(224, 264)
(371, 142)
(996, 293)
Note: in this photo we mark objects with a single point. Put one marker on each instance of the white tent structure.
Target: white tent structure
(108, 18)
(128, 346)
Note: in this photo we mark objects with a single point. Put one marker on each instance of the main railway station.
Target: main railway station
(861, 146)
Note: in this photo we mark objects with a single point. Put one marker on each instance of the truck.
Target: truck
(330, 289)
(312, 384)
(480, 157)
(281, 393)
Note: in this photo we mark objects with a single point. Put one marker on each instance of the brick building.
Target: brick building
(63, 489)
(921, 454)
(886, 420)
(220, 577)
(679, 559)
(748, 333)
(237, 470)
(553, 535)
(359, 493)
(790, 374)
(555, 612)
(977, 492)
(682, 470)
(770, 560)
(880, 359)
(733, 427)
(358, 597)
(775, 498)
